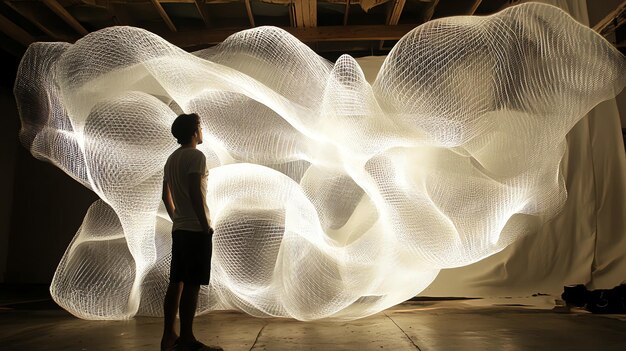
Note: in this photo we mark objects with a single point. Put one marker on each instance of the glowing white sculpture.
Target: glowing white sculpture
(329, 197)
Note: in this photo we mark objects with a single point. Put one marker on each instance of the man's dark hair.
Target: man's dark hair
(184, 126)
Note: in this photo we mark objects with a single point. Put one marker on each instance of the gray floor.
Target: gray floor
(414, 325)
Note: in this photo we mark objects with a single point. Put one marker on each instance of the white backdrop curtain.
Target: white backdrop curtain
(586, 242)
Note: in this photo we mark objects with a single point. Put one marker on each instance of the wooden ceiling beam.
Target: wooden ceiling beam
(65, 16)
(30, 16)
(325, 33)
(168, 21)
(428, 15)
(313, 12)
(474, 7)
(394, 11)
(612, 16)
(202, 11)
(304, 13)
(14, 31)
(249, 12)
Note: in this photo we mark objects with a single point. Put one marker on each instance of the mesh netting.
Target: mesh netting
(330, 197)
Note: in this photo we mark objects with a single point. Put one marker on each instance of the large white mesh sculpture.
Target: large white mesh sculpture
(330, 197)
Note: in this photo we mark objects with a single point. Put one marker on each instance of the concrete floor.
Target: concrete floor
(414, 325)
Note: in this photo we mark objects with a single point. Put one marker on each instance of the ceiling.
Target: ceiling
(330, 27)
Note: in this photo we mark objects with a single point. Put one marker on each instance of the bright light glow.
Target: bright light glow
(330, 197)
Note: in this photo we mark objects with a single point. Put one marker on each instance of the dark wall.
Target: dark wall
(8, 147)
(48, 208)
(8, 135)
(41, 207)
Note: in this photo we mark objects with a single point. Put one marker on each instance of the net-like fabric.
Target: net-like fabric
(330, 197)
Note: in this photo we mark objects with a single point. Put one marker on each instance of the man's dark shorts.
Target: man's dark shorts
(191, 257)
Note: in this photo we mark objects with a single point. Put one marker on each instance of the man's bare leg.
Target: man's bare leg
(170, 309)
(188, 303)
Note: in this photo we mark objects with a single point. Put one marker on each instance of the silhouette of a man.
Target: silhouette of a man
(184, 193)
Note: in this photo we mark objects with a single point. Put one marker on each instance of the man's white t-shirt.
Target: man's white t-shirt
(179, 165)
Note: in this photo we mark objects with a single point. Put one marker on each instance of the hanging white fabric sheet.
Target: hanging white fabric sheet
(586, 242)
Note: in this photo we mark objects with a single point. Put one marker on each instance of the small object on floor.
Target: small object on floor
(575, 295)
(596, 301)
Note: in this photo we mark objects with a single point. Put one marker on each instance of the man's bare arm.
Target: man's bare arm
(197, 200)
(166, 195)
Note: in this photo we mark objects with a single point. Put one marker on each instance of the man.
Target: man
(184, 190)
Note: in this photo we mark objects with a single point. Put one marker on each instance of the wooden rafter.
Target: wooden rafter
(249, 12)
(202, 11)
(474, 7)
(431, 11)
(14, 31)
(394, 11)
(30, 16)
(325, 33)
(304, 13)
(309, 13)
(611, 17)
(65, 16)
(164, 15)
